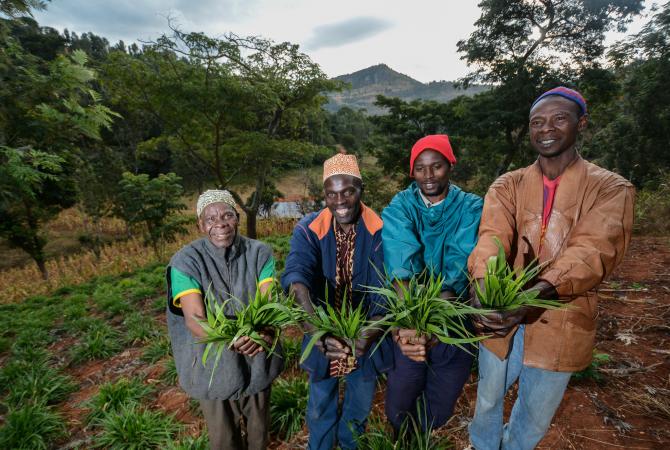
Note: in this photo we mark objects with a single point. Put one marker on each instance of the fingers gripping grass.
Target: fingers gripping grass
(348, 324)
(265, 313)
(504, 287)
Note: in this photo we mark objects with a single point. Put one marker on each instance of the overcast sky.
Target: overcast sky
(416, 37)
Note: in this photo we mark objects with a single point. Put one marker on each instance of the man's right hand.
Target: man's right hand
(497, 323)
(335, 348)
(413, 346)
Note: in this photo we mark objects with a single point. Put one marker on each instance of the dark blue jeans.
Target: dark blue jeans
(324, 422)
(428, 388)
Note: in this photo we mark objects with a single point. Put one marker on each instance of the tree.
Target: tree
(151, 206)
(237, 106)
(47, 111)
(402, 125)
(18, 8)
(524, 47)
(32, 191)
(636, 134)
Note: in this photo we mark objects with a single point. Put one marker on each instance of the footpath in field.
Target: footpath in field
(91, 366)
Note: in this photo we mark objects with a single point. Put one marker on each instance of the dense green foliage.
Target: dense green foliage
(349, 323)
(150, 205)
(417, 305)
(504, 287)
(288, 405)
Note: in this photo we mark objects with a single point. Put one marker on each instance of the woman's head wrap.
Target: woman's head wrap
(214, 196)
(438, 142)
(564, 92)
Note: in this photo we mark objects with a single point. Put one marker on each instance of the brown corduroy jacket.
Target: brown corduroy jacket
(587, 235)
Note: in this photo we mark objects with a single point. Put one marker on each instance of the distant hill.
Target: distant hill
(366, 84)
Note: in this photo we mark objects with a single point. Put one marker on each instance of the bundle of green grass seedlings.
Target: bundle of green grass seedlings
(348, 324)
(504, 286)
(416, 305)
(266, 312)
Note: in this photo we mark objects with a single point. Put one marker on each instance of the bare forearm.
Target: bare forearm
(193, 325)
(302, 297)
(194, 311)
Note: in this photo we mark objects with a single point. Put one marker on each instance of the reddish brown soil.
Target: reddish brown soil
(614, 413)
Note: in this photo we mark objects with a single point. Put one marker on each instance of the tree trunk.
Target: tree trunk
(251, 223)
(39, 260)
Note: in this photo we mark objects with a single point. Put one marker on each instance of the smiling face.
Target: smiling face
(431, 172)
(343, 197)
(219, 222)
(555, 125)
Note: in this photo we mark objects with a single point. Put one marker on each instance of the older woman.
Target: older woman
(227, 265)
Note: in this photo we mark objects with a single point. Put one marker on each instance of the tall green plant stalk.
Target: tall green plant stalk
(417, 305)
(265, 313)
(503, 288)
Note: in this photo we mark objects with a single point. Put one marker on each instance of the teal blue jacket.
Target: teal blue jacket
(440, 238)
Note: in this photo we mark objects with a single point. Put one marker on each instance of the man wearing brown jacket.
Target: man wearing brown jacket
(575, 218)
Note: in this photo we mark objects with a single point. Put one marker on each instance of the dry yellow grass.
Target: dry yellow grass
(21, 282)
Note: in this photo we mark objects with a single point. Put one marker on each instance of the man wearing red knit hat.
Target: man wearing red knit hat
(430, 227)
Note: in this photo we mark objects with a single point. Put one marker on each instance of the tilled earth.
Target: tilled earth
(624, 402)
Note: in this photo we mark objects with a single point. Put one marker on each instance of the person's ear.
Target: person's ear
(582, 122)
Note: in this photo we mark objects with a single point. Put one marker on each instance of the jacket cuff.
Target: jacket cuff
(294, 277)
(553, 277)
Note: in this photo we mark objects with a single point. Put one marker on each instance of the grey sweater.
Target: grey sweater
(232, 273)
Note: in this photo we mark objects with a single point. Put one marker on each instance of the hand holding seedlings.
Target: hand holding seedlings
(335, 348)
(502, 290)
(411, 344)
(419, 315)
(368, 337)
(246, 346)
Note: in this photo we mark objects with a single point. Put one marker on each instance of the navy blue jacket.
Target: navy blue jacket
(312, 262)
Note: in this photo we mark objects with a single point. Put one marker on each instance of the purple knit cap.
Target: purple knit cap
(564, 92)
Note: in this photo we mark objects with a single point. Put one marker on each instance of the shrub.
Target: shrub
(652, 209)
(592, 372)
(140, 328)
(100, 341)
(135, 428)
(190, 443)
(109, 299)
(288, 403)
(112, 396)
(5, 344)
(170, 376)
(291, 349)
(410, 437)
(157, 349)
(31, 427)
(39, 384)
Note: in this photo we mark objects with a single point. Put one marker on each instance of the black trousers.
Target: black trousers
(427, 391)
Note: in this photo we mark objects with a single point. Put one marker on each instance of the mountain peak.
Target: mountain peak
(378, 74)
(380, 79)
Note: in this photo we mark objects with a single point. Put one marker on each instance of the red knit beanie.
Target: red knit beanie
(438, 142)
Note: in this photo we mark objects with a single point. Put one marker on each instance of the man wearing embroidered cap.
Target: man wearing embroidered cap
(228, 265)
(430, 226)
(336, 254)
(575, 218)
